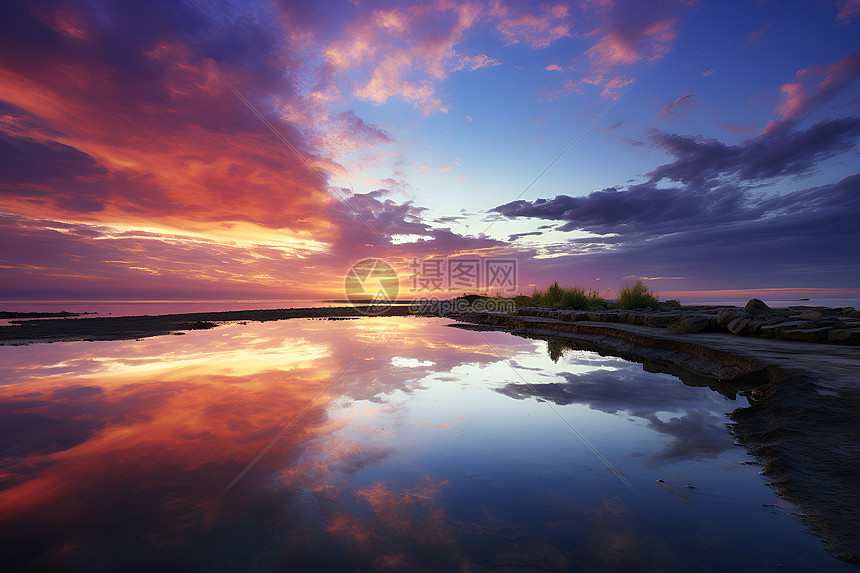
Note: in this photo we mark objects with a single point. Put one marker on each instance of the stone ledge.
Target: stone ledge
(755, 319)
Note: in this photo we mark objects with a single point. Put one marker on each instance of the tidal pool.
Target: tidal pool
(378, 444)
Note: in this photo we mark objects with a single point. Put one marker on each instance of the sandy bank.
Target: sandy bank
(21, 332)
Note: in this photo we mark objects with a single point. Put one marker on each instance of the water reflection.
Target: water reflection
(693, 420)
(115, 455)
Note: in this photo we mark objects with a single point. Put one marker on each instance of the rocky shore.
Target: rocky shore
(797, 323)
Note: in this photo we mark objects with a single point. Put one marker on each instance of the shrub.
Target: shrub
(637, 296)
(523, 300)
(574, 297)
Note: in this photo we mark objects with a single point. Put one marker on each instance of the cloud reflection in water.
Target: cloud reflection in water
(115, 454)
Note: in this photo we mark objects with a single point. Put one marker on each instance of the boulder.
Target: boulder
(693, 323)
(806, 334)
(755, 326)
(777, 329)
(844, 336)
(725, 316)
(756, 306)
(810, 315)
(738, 325)
(661, 319)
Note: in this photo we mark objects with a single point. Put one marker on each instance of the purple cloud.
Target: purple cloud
(806, 237)
(778, 152)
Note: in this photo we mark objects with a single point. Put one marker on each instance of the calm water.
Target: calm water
(150, 308)
(416, 448)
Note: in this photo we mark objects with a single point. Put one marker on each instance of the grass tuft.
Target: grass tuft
(637, 296)
(575, 297)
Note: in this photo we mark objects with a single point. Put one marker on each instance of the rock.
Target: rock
(850, 337)
(847, 310)
(756, 306)
(693, 323)
(201, 325)
(806, 334)
(725, 316)
(603, 316)
(661, 319)
(776, 329)
(737, 325)
(810, 315)
(755, 326)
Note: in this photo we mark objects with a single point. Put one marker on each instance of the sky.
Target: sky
(193, 150)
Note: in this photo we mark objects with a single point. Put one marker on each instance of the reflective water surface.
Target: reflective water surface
(386, 444)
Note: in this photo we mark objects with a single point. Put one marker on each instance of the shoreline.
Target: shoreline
(804, 395)
(756, 319)
(24, 332)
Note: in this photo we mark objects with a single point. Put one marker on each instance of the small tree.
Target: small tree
(637, 296)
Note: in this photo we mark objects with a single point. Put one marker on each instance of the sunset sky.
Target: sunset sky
(256, 150)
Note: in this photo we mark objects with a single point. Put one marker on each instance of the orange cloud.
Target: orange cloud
(801, 97)
(628, 33)
(538, 29)
(623, 47)
(404, 52)
(171, 159)
(473, 63)
(139, 168)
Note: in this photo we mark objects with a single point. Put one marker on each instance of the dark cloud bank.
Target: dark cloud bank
(707, 210)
